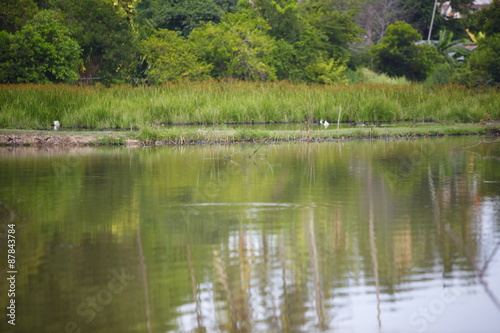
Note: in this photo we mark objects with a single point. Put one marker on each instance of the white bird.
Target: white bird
(324, 123)
(57, 124)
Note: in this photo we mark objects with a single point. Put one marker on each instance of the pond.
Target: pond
(348, 236)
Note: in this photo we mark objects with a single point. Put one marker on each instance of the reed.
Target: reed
(212, 102)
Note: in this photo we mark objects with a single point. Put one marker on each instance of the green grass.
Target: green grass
(210, 102)
(110, 141)
(365, 75)
(216, 135)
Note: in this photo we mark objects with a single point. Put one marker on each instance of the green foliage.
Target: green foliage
(258, 40)
(284, 61)
(468, 77)
(483, 66)
(184, 16)
(36, 106)
(171, 57)
(149, 133)
(251, 134)
(401, 34)
(484, 63)
(237, 47)
(365, 75)
(337, 29)
(430, 59)
(7, 72)
(42, 51)
(419, 14)
(311, 38)
(295, 60)
(488, 19)
(441, 75)
(329, 72)
(110, 141)
(14, 14)
(127, 8)
(283, 18)
(446, 45)
(398, 55)
(105, 35)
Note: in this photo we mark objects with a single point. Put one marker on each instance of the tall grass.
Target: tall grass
(124, 107)
(365, 75)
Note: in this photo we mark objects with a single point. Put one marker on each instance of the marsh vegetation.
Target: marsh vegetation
(29, 106)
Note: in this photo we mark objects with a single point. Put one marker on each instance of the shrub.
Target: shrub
(486, 58)
(365, 75)
(171, 57)
(442, 74)
(483, 67)
(329, 72)
(398, 55)
(238, 47)
(42, 51)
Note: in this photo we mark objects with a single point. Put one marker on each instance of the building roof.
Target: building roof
(448, 12)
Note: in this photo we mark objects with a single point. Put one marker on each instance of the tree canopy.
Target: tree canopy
(399, 55)
(170, 57)
(42, 51)
(259, 40)
(238, 47)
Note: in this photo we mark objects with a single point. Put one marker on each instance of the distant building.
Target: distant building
(447, 12)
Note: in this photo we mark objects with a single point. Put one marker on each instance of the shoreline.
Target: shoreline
(186, 136)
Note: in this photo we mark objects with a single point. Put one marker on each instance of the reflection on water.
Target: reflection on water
(357, 236)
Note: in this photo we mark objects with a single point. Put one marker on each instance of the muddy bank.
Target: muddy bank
(50, 139)
(161, 137)
(43, 140)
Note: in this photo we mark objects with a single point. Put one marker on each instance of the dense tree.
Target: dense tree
(488, 19)
(183, 16)
(483, 67)
(105, 35)
(7, 70)
(14, 14)
(328, 71)
(312, 37)
(283, 18)
(304, 40)
(171, 57)
(306, 60)
(398, 55)
(419, 15)
(42, 51)
(237, 47)
(338, 29)
(292, 60)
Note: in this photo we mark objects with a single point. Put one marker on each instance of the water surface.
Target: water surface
(354, 236)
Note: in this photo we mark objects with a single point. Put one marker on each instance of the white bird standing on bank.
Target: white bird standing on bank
(324, 123)
(57, 124)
